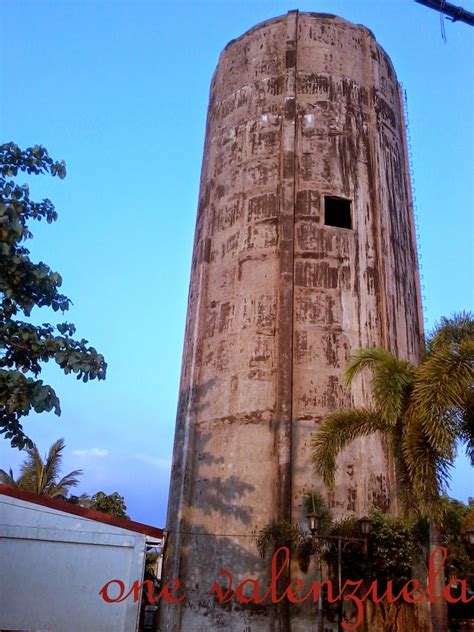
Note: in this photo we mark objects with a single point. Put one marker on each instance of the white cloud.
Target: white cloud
(91, 452)
(163, 464)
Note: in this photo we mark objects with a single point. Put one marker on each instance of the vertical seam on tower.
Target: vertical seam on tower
(286, 291)
(382, 302)
(289, 161)
(295, 171)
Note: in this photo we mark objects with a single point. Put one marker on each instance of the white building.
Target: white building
(55, 558)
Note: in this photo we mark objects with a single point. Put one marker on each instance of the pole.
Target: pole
(320, 596)
(457, 14)
(339, 583)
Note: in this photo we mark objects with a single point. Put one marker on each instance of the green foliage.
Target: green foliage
(423, 412)
(304, 551)
(393, 548)
(390, 553)
(457, 517)
(285, 533)
(151, 558)
(24, 347)
(112, 504)
(353, 562)
(278, 533)
(41, 476)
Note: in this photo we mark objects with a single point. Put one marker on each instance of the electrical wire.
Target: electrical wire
(442, 18)
(213, 535)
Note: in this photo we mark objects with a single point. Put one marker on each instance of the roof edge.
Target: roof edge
(83, 512)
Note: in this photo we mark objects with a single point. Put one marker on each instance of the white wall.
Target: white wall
(53, 565)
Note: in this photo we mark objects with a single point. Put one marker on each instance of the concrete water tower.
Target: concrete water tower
(304, 252)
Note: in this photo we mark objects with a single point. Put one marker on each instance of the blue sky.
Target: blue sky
(119, 89)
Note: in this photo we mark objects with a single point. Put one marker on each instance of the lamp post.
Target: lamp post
(365, 525)
(314, 523)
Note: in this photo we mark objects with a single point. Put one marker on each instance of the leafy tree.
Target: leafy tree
(24, 347)
(423, 411)
(457, 517)
(112, 504)
(41, 476)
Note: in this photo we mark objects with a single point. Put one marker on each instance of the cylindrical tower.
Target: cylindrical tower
(304, 252)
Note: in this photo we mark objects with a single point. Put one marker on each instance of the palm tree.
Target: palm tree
(423, 412)
(41, 476)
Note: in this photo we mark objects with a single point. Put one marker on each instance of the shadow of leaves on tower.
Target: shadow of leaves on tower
(194, 398)
(223, 495)
(236, 553)
(215, 492)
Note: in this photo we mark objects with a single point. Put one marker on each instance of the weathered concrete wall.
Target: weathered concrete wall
(301, 106)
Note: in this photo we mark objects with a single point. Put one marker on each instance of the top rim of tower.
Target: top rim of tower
(327, 16)
(278, 18)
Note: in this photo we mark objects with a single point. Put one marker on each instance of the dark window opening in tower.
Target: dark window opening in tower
(337, 212)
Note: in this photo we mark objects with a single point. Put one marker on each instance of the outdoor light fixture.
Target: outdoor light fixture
(365, 525)
(469, 535)
(314, 521)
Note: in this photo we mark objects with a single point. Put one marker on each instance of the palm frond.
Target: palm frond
(67, 481)
(451, 331)
(391, 380)
(466, 425)
(8, 478)
(32, 470)
(85, 500)
(429, 490)
(391, 387)
(423, 411)
(41, 477)
(53, 462)
(440, 386)
(428, 469)
(366, 358)
(335, 432)
(403, 483)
